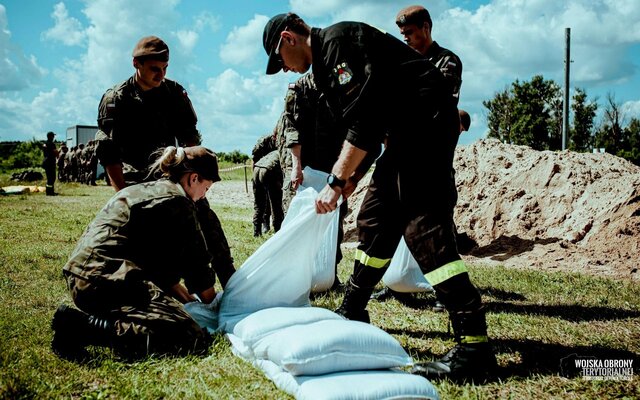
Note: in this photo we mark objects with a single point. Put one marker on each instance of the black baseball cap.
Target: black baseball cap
(270, 39)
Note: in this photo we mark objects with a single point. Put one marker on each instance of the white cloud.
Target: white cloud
(205, 20)
(17, 70)
(67, 30)
(498, 42)
(19, 120)
(314, 8)
(187, 40)
(632, 109)
(244, 44)
(234, 110)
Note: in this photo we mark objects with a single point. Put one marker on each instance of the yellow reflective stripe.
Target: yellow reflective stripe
(372, 262)
(473, 339)
(445, 272)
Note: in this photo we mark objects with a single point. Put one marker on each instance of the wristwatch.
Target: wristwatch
(334, 181)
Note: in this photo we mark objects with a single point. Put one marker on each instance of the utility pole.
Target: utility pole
(565, 106)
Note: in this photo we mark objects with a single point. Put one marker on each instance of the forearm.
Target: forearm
(349, 159)
(116, 176)
(296, 168)
(180, 293)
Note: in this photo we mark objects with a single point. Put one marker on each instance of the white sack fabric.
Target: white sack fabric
(325, 259)
(404, 273)
(280, 272)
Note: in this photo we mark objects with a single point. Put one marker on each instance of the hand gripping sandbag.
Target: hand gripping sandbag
(325, 259)
(404, 273)
(279, 273)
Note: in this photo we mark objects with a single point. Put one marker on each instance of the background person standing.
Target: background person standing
(50, 153)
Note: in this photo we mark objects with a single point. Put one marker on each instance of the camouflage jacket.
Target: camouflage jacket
(265, 145)
(134, 123)
(312, 125)
(449, 64)
(147, 231)
(282, 126)
(271, 161)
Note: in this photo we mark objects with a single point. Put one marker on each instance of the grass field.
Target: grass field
(535, 319)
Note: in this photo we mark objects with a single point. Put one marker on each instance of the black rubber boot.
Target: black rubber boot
(386, 293)
(49, 191)
(257, 231)
(471, 359)
(73, 330)
(355, 302)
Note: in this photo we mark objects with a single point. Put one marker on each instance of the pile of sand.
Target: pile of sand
(545, 210)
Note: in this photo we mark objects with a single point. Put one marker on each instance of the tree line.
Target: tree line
(530, 113)
(28, 154)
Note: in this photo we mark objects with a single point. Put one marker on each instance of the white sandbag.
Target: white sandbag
(404, 273)
(365, 385)
(206, 315)
(280, 272)
(331, 346)
(325, 259)
(264, 322)
(350, 385)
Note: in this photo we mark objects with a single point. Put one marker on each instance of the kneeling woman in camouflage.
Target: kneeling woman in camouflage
(126, 271)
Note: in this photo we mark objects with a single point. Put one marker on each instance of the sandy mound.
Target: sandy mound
(545, 210)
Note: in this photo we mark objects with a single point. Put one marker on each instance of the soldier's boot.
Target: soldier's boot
(387, 293)
(73, 330)
(257, 231)
(354, 303)
(472, 358)
(49, 191)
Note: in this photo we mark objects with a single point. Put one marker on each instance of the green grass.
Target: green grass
(535, 319)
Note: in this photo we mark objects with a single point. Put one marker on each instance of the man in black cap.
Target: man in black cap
(147, 112)
(378, 86)
(50, 153)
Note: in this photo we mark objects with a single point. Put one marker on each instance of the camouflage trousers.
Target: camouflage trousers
(146, 320)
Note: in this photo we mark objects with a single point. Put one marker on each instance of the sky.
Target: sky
(57, 58)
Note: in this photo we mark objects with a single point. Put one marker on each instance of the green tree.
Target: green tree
(25, 155)
(584, 113)
(235, 157)
(632, 133)
(609, 136)
(528, 113)
(499, 116)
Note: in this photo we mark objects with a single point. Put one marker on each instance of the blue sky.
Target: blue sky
(58, 57)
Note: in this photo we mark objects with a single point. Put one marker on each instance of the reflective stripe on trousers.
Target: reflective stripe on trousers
(434, 277)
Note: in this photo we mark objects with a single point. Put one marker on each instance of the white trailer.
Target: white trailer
(81, 134)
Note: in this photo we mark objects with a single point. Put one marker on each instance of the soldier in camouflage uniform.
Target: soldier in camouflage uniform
(126, 270)
(147, 112)
(267, 184)
(62, 176)
(286, 164)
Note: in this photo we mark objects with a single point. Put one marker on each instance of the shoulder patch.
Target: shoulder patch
(343, 73)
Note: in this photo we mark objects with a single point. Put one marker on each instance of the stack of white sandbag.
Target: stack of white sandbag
(309, 352)
(313, 353)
